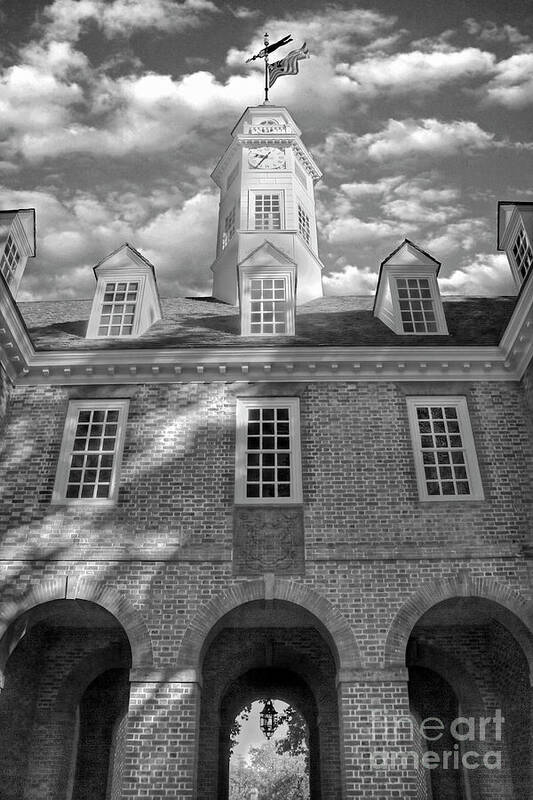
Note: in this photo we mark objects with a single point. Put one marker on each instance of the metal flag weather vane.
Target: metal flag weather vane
(286, 66)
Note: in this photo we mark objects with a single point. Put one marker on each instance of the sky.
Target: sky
(114, 112)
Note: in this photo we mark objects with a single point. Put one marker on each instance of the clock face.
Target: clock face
(267, 158)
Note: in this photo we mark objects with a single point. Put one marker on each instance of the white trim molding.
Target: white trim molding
(91, 452)
(267, 451)
(443, 448)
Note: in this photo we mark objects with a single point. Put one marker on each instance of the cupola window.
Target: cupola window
(267, 211)
(229, 228)
(304, 225)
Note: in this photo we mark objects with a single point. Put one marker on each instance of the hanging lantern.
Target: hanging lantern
(268, 721)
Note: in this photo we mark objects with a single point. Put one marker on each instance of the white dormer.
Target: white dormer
(17, 244)
(267, 290)
(126, 301)
(515, 236)
(407, 295)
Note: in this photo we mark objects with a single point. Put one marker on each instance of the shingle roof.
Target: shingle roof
(328, 321)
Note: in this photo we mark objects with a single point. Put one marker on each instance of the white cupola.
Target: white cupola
(266, 179)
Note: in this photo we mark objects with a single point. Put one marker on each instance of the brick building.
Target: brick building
(266, 492)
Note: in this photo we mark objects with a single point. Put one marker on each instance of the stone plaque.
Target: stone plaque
(268, 539)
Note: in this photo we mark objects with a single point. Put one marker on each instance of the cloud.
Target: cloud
(488, 276)
(512, 85)
(491, 32)
(403, 140)
(66, 20)
(74, 233)
(349, 231)
(416, 71)
(351, 280)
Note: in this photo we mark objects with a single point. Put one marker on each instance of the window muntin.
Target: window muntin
(229, 228)
(10, 259)
(91, 451)
(267, 211)
(444, 449)
(118, 308)
(523, 254)
(268, 306)
(303, 224)
(268, 451)
(417, 308)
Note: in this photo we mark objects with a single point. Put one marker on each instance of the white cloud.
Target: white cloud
(458, 238)
(353, 231)
(416, 71)
(351, 280)
(66, 19)
(423, 137)
(489, 275)
(75, 233)
(512, 85)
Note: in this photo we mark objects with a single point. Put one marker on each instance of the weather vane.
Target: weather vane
(286, 66)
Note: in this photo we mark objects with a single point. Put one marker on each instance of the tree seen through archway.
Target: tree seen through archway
(275, 769)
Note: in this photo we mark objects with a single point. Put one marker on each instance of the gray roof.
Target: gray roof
(327, 321)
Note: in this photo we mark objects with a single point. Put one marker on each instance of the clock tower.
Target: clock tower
(267, 219)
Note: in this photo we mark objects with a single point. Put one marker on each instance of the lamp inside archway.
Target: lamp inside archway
(268, 719)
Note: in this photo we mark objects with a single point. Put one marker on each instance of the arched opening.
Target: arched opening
(268, 764)
(269, 649)
(64, 702)
(469, 673)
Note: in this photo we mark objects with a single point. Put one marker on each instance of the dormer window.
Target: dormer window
(407, 296)
(304, 225)
(515, 237)
(522, 254)
(417, 309)
(267, 279)
(10, 259)
(229, 228)
(267, 211)
(126, 300)
(118, 309)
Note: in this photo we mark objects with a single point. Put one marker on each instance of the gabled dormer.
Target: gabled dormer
(17, 244)
(515, 237)
(407, 295)
(267, 290)
(126, 301)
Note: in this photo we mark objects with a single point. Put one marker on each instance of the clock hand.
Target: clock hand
(262, 159)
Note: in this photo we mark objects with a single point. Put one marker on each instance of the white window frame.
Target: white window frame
(252, 194)
(436, 302)
(10, 259)
(98, 304)
(246, 275)
(230, 227)
(243, 406)
(67, 444)
(304, 224)
(521, 232)
(468, 447)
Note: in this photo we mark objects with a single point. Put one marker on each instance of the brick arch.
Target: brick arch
(338, 631)
(64, 588)
(461, 585)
